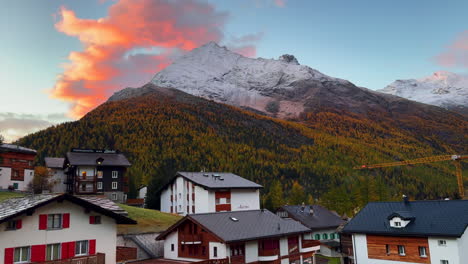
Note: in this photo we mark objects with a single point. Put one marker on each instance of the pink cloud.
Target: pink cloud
(456, 54)
(106, 63)
(280, 3)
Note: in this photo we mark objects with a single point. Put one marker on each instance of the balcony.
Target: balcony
(310, 245)
(191, 239)
(83, 188)
(214, 261)
(268, 254)
(99, 258)
(88, 178)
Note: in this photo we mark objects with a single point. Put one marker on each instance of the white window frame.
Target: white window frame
(79, 248)
(99, 185)
(442, 243)
(398, 224)
(444, 261)
(422, 251)
(54, 223)
(114, 196)
(59, 251)
(401, 250)
(28, 259)
(114, 185)
(115, 174)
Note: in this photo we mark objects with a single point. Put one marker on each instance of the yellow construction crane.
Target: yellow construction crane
(455, 158)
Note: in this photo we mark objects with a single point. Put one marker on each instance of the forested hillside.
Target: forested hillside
(167, 130)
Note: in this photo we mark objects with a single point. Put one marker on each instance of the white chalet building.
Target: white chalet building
(51, 228)
(207, 192)
(409, 232)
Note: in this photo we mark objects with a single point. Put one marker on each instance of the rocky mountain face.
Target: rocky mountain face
(444, 89)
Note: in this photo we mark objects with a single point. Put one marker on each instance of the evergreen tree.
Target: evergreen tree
(275, 197)
(297, 195)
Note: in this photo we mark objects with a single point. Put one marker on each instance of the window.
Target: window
(317, 236)
(81, 248)
(115, 174)
(54, 221)
(21, 255)
(401, 250)
(203, 250)
(95, 219)
(114, 196)
(217, 201)
(99, 174)
(325, 236)
(442, 243)
(444, 261)
(99, 185)
(398, 224)
(215, 251)
(387, 249)
(332, 236)
(53, 252)
(114, 185)
(422, 252)
(172, 247)
(13, 225)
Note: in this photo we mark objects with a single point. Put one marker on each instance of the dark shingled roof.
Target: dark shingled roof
(15, 207)
(250, 225)
(226, 180)
(16, 148)
(430, 218)
(54, 163)
(320, 219)
(109, 159)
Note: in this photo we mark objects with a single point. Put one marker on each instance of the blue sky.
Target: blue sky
(368, 42)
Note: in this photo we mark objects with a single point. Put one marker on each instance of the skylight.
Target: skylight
(234, 219)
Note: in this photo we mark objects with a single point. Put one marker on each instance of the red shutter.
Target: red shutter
(42, 222)
(9, 253)
(71, 249)
(38, 253)
(92, 247)
(19, 224)
(91, 219)
(64, 249)
(66, 221)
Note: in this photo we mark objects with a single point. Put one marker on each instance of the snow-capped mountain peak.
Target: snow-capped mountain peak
(442, 88)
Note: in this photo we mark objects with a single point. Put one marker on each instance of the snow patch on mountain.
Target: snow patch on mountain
(445, 89)
(216, 73)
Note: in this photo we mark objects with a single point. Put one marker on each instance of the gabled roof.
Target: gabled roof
(90, 159)
(321, 217)
(54, 163)
(15, 207)
(429, 218)
(239, 226)
(218, 180)
(16, 148)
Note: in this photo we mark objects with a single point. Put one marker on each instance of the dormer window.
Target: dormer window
(400, 219)
(397, 224)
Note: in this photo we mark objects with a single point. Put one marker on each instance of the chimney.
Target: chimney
(311, 210)
(405, 199)
(302, 207)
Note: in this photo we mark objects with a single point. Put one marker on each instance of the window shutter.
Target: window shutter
(9, 253)
(91, 219)
(64, 249)
(38, 253)
(92, 247)
(42, 222)
(66, 221)
(19, 224)
(71, 249)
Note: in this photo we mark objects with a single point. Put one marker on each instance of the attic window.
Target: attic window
(234, 219)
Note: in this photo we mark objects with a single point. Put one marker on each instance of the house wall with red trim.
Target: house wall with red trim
(79, 228)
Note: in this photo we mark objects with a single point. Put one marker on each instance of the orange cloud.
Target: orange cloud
(126, 48)
(455, 55)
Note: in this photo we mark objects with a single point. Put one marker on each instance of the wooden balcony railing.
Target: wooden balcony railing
(214, 261)
(268, 252)
(191, 238)
(99, 258)
(310, 243)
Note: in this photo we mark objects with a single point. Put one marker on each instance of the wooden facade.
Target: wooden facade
(194, 241)
(346, 241)
(223, 195)
(386, 248)
(18, 162)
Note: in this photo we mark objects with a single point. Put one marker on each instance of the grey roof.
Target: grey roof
(55, 163)
(430, 218)
(16, 148)
(104, 202)
(15, 207)
(109, 159)
(321, 217)
(219, 180)
(250, 225)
